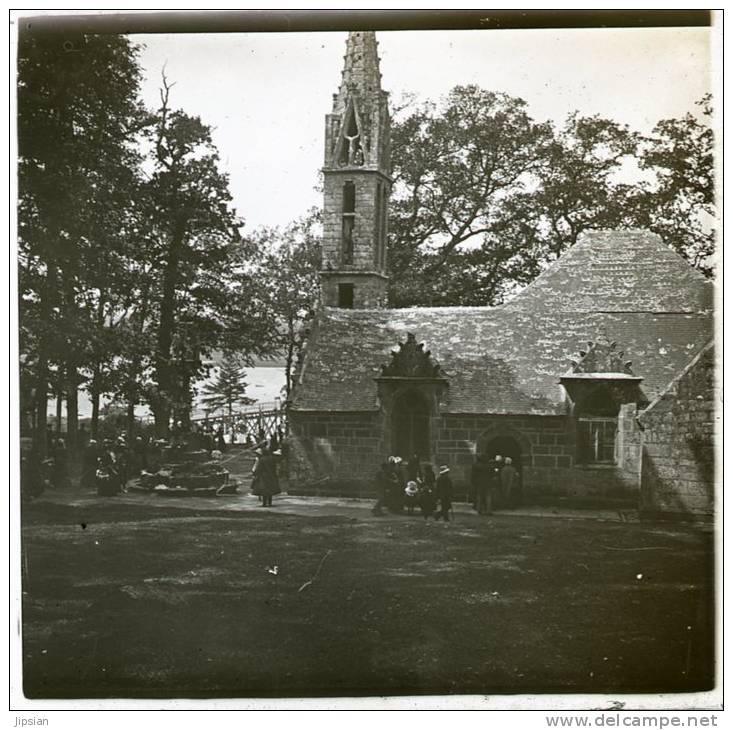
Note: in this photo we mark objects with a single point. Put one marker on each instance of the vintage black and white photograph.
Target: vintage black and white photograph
(367, 355)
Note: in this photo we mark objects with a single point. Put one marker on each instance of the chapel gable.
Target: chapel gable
(412, 360)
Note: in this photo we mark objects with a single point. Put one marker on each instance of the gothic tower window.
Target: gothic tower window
(378, 225)
(348, 217)
(383, 229)
(346, 296)
(351, 151)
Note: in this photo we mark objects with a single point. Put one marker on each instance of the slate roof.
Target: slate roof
(625, 285)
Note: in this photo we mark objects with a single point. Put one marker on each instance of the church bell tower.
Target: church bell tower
(357, 183)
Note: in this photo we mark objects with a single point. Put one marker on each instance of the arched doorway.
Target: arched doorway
(505, 446)
(411, 425)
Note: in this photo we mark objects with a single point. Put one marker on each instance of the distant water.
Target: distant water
(264, 385)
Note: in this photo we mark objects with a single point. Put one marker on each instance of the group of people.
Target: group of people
(495, 483)
(413, 484)
(410, 485)
(38, 474)
(108, 464)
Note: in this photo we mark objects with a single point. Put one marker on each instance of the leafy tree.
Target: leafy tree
(456, 167)
(77, 119)
(288, 277)
(228, 387)
(679, 204)
(484, 196)
(193, 232)
(578, 183)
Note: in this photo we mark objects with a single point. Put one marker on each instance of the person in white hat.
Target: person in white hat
(411, 496)
(444, 489)
(496, 480)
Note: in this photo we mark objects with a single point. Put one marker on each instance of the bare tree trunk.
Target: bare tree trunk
(94, 394)
(130, 418)
(163, 366)
(72, 407)
(41, 408)
(59, 409)
(231, 423)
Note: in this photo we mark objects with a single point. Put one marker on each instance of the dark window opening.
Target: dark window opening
(351, 151)
(349, 203)
(347, 239)
(346, 296)
(597, 428)
(597, 440)
(348, 220)
(378, 226)
(598, 403)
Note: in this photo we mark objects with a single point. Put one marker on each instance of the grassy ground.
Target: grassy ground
(134, 601)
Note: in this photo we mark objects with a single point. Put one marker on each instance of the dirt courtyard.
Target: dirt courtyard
(132, 600)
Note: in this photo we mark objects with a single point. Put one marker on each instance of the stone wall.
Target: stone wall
(370, 289)
(347, 448)
(366, 270)
(678, 459)
(333, 453)
(548, 455)
(365, 217)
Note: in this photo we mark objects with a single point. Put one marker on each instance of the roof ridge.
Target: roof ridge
(667, 388)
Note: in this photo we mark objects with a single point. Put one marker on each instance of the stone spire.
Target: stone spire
(360, 74)
(356, 182)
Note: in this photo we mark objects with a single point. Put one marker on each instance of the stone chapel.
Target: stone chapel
(597, 379)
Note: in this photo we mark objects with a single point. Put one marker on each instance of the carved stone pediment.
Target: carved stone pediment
(412, 360)
(602, 356)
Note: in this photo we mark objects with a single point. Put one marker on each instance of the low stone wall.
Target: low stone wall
(339, 453)
(678, 459)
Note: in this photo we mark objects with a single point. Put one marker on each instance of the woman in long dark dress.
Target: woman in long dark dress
(266, 483)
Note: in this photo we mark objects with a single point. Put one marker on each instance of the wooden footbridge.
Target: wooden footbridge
(257, 423)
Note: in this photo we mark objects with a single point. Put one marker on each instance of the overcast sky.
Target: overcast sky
(266, 94)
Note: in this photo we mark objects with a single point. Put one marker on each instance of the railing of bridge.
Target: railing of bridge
(254, 423)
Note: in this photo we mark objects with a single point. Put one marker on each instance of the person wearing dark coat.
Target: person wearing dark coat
(383, 481)
(265, 482)
(395, 493)
(509, 478)
(427, 499)
(413, 470)
(89, 464)
(444, 491)
(495, 478)
(481, 479)
(220, 442)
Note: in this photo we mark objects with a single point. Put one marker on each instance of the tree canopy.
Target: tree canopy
(484, 196)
